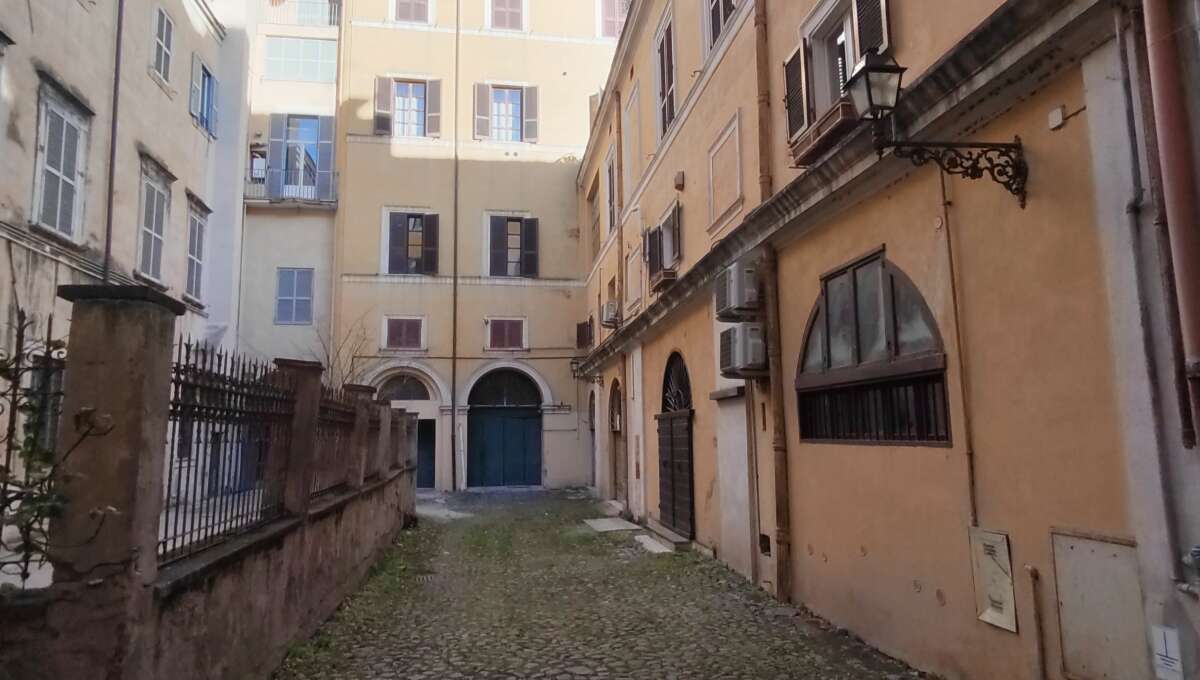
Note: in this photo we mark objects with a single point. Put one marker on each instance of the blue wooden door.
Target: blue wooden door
(426, 441)
(504, 446)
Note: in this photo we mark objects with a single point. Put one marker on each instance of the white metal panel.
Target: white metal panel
(991, 564)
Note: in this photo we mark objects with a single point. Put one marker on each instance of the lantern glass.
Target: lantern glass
(875, 86)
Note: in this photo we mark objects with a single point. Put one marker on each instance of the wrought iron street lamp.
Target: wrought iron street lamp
(875, 89)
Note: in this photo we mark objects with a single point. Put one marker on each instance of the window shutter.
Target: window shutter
(483, 111)
(195, 100)
(397, 243)
(654, 247)
(325, 184)
(429, 246)
(871, 25)
(433, 108)
(582, 341)
(214, 115)
(676, 253)
(529, 248)
(796, 90)
(496, 333)
(276, 154)
(499, 246)
(384, 103)
(516, 334)
(529, 106)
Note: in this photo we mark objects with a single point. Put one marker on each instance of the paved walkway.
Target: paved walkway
(521, 589)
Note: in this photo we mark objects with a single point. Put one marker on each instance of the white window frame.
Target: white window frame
(711, 46)
(383, 337)
(197, 218)
(267, 75)
(207, 119)
(153, 179)
(49, 100)
(611, 215)
(820, 22)
(423, 82)
(312, 307)
(676, 254)
(524, 18)
(487, 333)
(667, 21)
(385, 234)
(631, 140)
(430, 19)
(520, 90)
(157, 43)
(600, 19)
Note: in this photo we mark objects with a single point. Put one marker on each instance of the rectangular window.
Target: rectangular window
(506, 114)
(506, 14)
(610, 187)
(304, 59)
(412, 10)
(506, 334)
(62, 136)
(412, 243)
(513, 246)
(612, 17)
(409, 107)
(665, 58)
(203, 100)
(197, 228)
(164, 37)
(404, 333)
(300, 173)
(293, 296)
(719, 14)
(156, 208)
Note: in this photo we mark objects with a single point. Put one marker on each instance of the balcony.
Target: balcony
(302, 12)
(269, 187)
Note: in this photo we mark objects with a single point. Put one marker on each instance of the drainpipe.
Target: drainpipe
(769, 267)
(619, 201)
(1178, 181)
(454, 271)
(763, 66)
(112, 146)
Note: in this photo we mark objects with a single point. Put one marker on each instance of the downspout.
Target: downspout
(619, 202)
(783, 523)
(1178, 181)
(454, 269)
(762, 65)
(112, 146)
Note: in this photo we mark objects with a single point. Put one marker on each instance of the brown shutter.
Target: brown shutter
(871, 26)
(398, 243)
(677, 233)
(496, 333)
(384, 102)
(429, 246)
(498, 240)
(529, 247)
(516, 334)
(483, 111)
(582, 341)
(796, 90)
(433, 108)
(529, 108)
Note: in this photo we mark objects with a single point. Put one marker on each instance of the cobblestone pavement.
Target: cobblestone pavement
(522, 589)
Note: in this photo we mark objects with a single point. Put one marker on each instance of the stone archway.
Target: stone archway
(504, 430)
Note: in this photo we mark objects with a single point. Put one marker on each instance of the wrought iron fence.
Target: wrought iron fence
(335, 427)
(229, 417)
(303, 12)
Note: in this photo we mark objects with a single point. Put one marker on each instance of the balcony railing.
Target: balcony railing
(302, 12)
(319, 189)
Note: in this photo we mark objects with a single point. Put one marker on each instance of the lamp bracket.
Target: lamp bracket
(1004, 162)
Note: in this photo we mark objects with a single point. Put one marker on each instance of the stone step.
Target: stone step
(667, 536)
(653, 544)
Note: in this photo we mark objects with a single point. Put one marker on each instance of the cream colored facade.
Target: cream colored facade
(57, 65)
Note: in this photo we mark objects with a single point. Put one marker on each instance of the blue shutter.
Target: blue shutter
(276, 155)
(326, 186)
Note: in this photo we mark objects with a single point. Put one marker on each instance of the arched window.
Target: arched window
(872, 368)
(404, 387)
(677, 387)
(505, 387)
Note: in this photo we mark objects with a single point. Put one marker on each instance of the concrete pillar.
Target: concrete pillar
(399, 433)
(410, 452)
(356, 457)
(379, 462)
(118, 382)
(296, 467)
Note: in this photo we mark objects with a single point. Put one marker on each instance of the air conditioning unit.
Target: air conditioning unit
(743, 351)
(610, 316)
(662, 278)
(736, 294)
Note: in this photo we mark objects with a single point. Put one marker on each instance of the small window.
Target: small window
(411, 245)
(409, 120)
(197, 228)
(164, 37)
(513, 246)
(507, 15)
(404, 387)
(506, 114)
(610, 188)
(612, 17)
(404, 333)
(156, 208)
(720, 12)
(303, 59)
(203, 101)
(294, 296)
(663, 244)
(872, 368)
(506, 334)
(62, 142)
(412, 10)
(665, 66)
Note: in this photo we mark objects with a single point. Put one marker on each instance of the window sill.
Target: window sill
(880, 370)
(162, 83)
(56, 236)
(293, 323)
(194, 302)
(812, 142)
(150, 281)
(402, 350)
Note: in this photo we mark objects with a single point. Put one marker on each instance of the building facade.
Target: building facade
(949, 410)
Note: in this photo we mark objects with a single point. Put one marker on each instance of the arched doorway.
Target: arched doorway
(409, 388)
(675, 493)
(504, 430)
(619, 462)
(591, 423)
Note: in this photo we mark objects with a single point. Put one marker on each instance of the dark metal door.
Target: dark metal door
(426, 445)
(675, 491)
(504, 446)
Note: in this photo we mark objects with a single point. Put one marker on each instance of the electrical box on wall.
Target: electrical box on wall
(995, 602)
